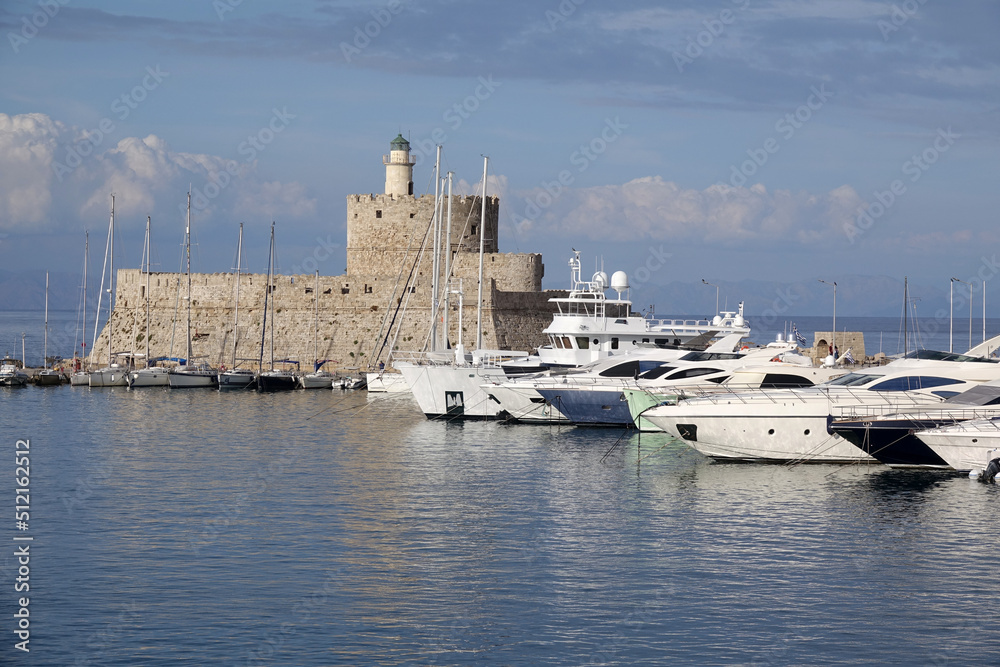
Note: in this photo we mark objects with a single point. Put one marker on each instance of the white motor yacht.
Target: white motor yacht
(12, 376)
(792, 425)
(539, 397)
(968, 445)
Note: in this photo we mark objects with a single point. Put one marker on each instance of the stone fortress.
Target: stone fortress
(388, 280)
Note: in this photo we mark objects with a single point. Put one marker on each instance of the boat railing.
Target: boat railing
(483, 358)
(977, 425)
(425, 358)
(922, 411)
(879, 402)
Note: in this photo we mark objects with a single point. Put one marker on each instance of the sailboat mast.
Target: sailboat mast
(147, 290)
(86, 256)
(447, 263)
(482, 238)
(45, 344)
(316, 332)
(111, 278)
(187, 244)
(906, 307)
(435, 256)
(270, 277)
(104, 273)
(267, 290)
(236, 316)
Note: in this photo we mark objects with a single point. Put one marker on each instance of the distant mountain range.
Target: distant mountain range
(862, 296)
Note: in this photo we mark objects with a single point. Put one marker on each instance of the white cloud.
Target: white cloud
(651, 208)
(57, 177)
(27, 145)
(276, 201)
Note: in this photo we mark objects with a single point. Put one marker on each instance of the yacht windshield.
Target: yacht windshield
(948, 356)
(656, 372)
(853, 380)
(629, 369)
(982, 394)
(709, 356)
(913, 382)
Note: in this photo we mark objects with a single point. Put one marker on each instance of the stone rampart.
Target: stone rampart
(352, 315)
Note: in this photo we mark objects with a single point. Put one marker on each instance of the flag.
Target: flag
(798, 337)
(848, 357)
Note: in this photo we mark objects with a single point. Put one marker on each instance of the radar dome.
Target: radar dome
(619, 281)
(601, 280)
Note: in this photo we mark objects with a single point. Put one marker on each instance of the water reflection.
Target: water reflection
(332, 527)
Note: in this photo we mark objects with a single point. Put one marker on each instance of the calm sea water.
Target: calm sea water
(329, 528)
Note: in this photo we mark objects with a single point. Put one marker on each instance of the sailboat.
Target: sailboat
(81, 376)
(449, 384)
(150, 376)
(47, 377)
(114, 374)
(319, 378)
(191, 374)
(237, 378)
(274, 379)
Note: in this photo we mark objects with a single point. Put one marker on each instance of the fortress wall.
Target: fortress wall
(513, 272)
(823, 341)
(385, 232)
(351, 314)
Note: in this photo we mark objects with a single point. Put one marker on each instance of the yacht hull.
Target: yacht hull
(193, 379)
(387, 382)
(603, 407)
(237, 380)
(316, 381)
(892, 441)
(789, 430)
(109, 377)
(48, 379)
(150, 377)
(268, 382)
(453, 392)
(523, 403)
(962, 447)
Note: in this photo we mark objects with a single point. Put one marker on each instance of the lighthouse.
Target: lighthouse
(398, 168)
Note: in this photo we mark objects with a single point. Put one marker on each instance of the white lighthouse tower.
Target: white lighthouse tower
(398, 168)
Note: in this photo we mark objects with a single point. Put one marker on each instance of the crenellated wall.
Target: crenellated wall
(385, 232)
(352, 312)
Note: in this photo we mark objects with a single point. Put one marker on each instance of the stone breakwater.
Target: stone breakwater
(352, 311)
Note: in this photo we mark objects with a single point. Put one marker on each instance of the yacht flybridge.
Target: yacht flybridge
(589, 326)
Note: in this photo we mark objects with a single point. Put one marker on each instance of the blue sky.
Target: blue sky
(731, 140)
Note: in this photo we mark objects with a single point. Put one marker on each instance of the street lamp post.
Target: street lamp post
(716, 295)
(834, 283)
